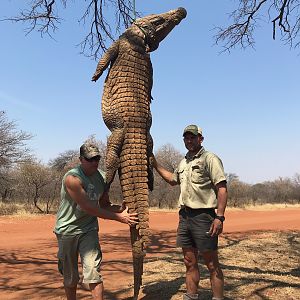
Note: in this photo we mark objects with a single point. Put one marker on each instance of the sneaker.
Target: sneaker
(187, 296)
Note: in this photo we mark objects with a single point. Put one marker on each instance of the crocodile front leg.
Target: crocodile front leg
(108, 57)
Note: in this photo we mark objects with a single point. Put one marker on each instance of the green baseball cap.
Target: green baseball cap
(194, 129)
(89, 150)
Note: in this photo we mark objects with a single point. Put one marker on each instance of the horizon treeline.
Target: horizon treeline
(26, 180)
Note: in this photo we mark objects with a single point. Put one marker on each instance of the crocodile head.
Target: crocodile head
(156, 27)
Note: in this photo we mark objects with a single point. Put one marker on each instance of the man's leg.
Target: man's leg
(68, 263)
(190, 257)
(70, 293)
(97, 290)
(216, 275)
(91, 257)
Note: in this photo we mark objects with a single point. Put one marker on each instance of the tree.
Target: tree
(238, 193)
(258, 192)
(231, 177)
(63, 160)
(44, 16)
(12, 146)
(6, 184)
(163, 194)
(283, 190)
(283, 14)
(33, 177)
(169, 157)
(296, 181)
(102, 148)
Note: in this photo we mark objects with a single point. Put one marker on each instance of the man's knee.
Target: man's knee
(189, 262)
(214, 268)
(212, 261)
(190, 257)
(217, 272)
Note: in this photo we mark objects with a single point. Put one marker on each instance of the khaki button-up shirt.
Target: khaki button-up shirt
(198, 176)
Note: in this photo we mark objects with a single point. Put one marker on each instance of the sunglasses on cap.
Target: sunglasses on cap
(95, 158)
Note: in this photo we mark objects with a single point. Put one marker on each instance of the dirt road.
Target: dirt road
(28, 248)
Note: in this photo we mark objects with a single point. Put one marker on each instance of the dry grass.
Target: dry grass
(261, 207)
(260, 265)
(266, 207)
(14, 208)
(19, 209)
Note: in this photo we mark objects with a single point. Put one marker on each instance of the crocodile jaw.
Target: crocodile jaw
(157, 27)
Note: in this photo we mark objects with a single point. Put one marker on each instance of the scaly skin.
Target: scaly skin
(126, 112)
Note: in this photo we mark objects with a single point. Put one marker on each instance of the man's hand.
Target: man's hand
(128, 218)
(216, 228)
(123, 206)
(153, 162)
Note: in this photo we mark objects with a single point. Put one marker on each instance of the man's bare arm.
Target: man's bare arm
(217, 226)
(222, 197)
(165, 174)
(78, 194)
(106, 204)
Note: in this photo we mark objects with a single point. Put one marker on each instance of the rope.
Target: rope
(134, 18)
(134, 11)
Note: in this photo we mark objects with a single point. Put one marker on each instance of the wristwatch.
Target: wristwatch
(221, 218)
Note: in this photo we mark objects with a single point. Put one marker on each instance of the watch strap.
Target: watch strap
(221, 218)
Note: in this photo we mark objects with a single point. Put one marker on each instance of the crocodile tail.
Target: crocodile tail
(138, 255)
(134, 182)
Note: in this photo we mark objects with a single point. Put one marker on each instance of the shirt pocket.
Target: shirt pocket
(181, 175)
(199, 174)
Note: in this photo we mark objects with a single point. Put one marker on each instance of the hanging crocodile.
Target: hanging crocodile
(126, 112)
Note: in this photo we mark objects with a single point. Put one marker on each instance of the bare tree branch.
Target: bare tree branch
(103, 25)
(40, 16)
(101, 32)
(106, 19)
(283, 14)
(12, 143)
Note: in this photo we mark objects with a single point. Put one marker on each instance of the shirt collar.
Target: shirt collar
(198, 154)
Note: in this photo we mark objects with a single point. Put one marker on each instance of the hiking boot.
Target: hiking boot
(187, 296)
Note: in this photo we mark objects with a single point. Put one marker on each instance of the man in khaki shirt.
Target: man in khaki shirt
(203, 199)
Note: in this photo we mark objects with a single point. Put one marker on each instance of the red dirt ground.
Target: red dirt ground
(28, 248)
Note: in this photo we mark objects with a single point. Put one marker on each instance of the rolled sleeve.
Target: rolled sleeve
(215, 169)
(175, 177)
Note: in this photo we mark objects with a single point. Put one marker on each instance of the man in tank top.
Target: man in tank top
(84, 198)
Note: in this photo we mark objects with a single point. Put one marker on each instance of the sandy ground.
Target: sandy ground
(28, 268)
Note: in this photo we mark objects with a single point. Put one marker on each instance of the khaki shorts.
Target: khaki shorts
(87, 246)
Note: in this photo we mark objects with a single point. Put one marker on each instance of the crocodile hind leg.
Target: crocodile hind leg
(114, 145)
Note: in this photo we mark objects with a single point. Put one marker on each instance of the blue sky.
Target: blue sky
(247, 102)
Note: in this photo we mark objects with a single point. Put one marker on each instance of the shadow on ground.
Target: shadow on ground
(257, 265)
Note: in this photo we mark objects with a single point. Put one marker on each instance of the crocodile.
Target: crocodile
(126, 112)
